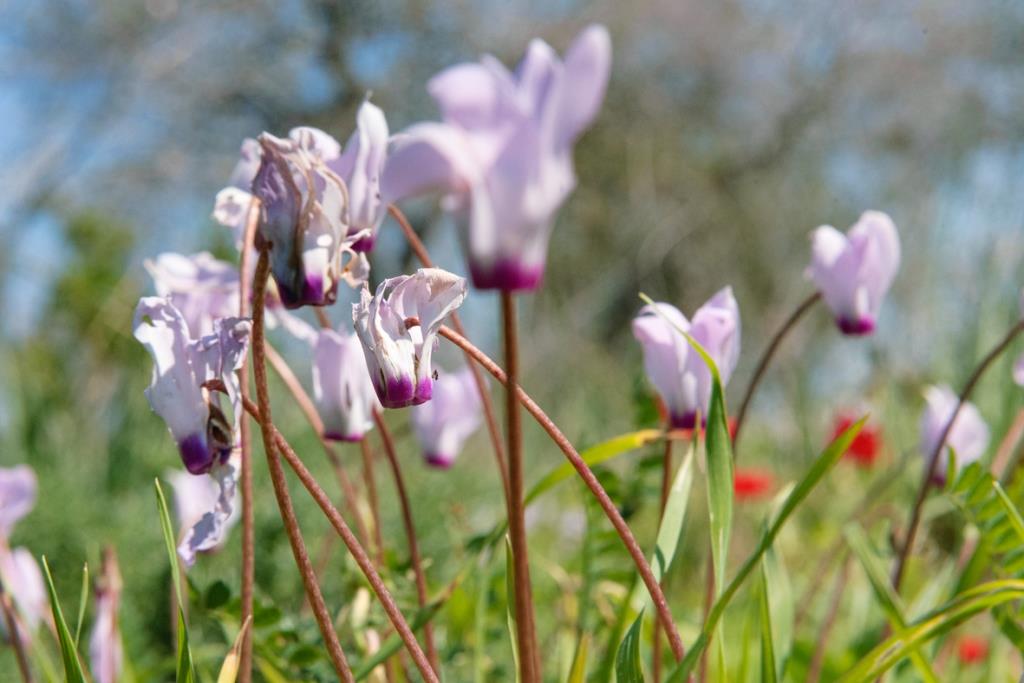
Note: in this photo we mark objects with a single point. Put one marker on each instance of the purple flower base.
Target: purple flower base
(399, 393)
(441, 462)
(856, 328)
(364, 244)
(195, 454)
(506, 275)
(338, 436)
(311, 293)
(684, 421)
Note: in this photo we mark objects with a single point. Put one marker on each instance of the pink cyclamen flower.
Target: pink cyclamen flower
(182, 390)
(854, 271)
(194, 498)
(443, 424)
(200, 286)
(676, 370)
(968, 438)
(106, 651)
(502, 154)
(342, 390)
(397, 355)
(19, 571)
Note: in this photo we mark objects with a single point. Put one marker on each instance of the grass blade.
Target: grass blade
(628, 668)
(781, 608)
(768, 666)
(186, 665)
(671, 527)
(828, 458)
(73, 671)
(578, 672)
(82, 602)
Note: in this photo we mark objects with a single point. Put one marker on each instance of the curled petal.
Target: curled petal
(209, 531)
(361, 167)
(231, 209)
(18, 489)
(248, 163)
(200, 286)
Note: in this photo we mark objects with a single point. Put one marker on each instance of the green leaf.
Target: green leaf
(578, 671)
(828, 458)
(931, 626)
(886, 595)
(671, 527)
(628, 668)
(73, 671)
(82, 602)
(781, 607)
(768, 666)
(185, 672)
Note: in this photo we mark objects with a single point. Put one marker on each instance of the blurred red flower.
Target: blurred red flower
(866, 445)
(751, 484)
(972, 649)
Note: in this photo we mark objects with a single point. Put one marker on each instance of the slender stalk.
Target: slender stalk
(666, 485)
(526, 629)
(814, 670)
(356, 550)
(277, 476)
(709, 598)
(313, 417)
(15, 635)
(420, 250)
(587, 475)
(922, 492)
(245, 429)
(410, 535)
(766, 357)
(370, 482)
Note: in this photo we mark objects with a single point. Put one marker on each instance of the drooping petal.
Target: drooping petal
(588, 63)
(209, 531)
(23, 581)
(443, 424)
(106, 651)
(316, 142)
(716, 325)
(248, 163)
(469, 95)
(361, 167)
(17, 496)
(200, 286)
(342, 390)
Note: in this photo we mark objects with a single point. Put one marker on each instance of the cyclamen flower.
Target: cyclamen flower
(19, 573)
(853, 272)
(676, 370)
(200, 286)
(194, 497)
(443, 424)
(342, 390)
(302, 205)
(106, 651)
(503, 152)
(969, 436)
(184, 370)
(397, 355)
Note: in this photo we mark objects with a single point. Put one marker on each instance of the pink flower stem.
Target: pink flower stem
(370, 482)
(587, 475)
(277, 476)
(933, 457)
(354, 548)
(410, 535)
(765, 359)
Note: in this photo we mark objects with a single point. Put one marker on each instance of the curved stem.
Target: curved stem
(370, 482)
(410, 535)
(581, 467)
(357, 551)
(284, 502)
(313, 417)
(666, 486)
(245, 429)
(526, 628)
(766, 357)
(922, 492)
(423, 256)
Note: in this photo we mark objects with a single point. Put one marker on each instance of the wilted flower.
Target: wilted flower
(968, 437)
(184, 373)
(865, 447)
(971, 650)
(677, 371)
(200, 286)
(19, 573)
(302, 205)
(443, 424)
(854, 271)
(398, 355)
(194, 498)
(106, 652)
(752, 484)
(503, 154)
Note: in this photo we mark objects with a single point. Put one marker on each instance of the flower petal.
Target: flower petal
(18, 489)
(429, 157)
(588, 64)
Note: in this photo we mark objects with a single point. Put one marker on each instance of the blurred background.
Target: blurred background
(731, 129)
